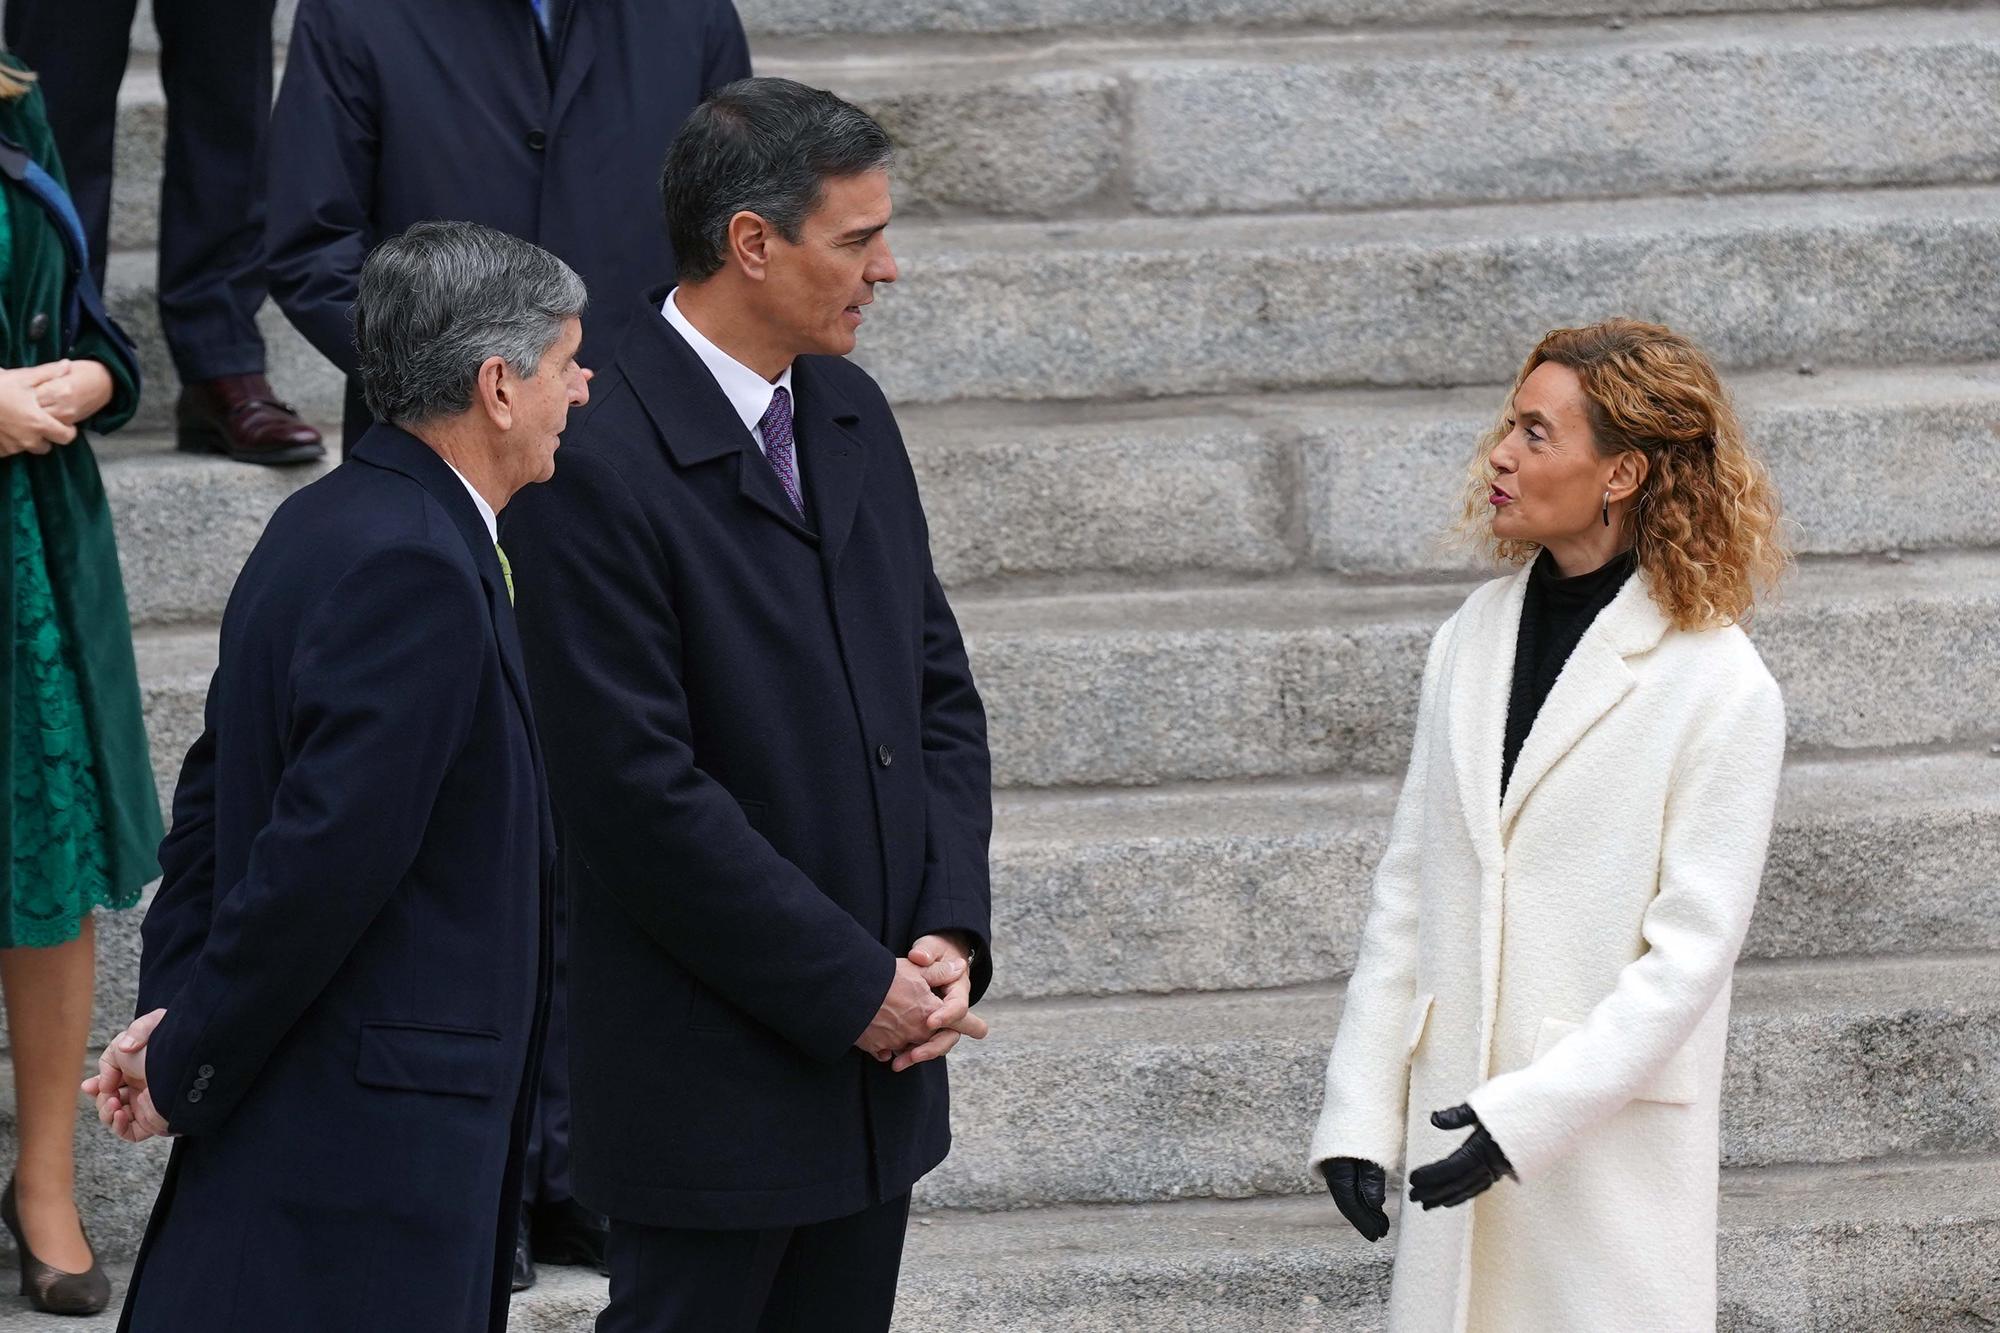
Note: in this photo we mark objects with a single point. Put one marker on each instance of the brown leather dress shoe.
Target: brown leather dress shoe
(238, 415)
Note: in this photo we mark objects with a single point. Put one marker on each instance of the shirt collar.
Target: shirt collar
(486, 513)
(748, 392)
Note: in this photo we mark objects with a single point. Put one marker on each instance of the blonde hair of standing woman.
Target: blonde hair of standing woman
(1708, 530)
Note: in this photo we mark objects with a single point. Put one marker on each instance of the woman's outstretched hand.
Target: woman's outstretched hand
(1467, 1172)
(1358, 1190)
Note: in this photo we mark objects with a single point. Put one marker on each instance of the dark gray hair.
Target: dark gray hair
(763, 146)
(440, 299)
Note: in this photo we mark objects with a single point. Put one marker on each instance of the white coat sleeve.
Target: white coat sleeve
(1717, 827)
(1368, 1073)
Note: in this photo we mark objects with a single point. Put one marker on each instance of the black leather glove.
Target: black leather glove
(1470, 1169)
(1358, 1189)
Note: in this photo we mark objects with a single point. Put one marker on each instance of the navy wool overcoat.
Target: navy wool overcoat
(351, 938)
(770, 773)
(394, 112)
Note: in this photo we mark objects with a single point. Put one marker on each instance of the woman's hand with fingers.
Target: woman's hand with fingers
(26, 426)
(78, 394)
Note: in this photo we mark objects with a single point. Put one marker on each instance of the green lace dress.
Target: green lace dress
(67, 851)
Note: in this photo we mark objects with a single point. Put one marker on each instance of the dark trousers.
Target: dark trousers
(830, 1277)
(215, 65)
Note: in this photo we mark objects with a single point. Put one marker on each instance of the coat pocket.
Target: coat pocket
(1420, 1017)
(420, 1057)
(1678, 1082)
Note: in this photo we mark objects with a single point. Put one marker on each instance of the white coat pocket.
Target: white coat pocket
(1677, 1083)
(1420, 1016)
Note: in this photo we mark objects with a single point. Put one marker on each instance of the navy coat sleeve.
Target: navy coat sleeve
(383, 685)
(321, 151)
(728, 56)
(957, 888)
(603, 642)
(177, 921)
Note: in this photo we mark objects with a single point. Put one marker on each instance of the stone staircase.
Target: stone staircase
(1203, 303)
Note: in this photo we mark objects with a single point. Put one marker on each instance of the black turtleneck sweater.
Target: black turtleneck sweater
(1554, 616)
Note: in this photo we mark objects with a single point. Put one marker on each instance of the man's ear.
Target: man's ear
(750, 241)
(493, 391)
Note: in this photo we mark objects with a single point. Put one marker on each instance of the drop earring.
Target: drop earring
(1607, 509)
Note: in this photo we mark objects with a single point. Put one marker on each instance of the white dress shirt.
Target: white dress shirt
(485, 510)
(748, 392)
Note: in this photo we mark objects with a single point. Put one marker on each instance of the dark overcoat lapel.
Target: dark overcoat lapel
(387, 447)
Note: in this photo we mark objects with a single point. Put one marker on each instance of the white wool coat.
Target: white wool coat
(1562, 962)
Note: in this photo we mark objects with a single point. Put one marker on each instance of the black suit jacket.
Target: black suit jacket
(351, 937)
(770, 773)
(397, 111)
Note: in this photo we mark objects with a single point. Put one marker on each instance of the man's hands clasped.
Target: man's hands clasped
(928, 1007)
(119, 1088)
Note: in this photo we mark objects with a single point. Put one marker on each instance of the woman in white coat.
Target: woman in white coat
(1572, 866)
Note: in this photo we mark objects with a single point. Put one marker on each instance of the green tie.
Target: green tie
(506, 572)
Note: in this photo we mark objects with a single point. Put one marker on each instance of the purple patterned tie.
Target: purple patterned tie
(778, 445)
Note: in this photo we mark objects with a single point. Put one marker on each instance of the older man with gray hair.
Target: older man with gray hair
(346, 969)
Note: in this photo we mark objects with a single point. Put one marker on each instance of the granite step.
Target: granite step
(1300, 677)
(1892, 1247)
(1113, 124)
(187, 522)
(1237, 886)
(868, 18)
(1053, 496)
(1900, 1247)
(1145, 307)
(865, 19)
(1296, 678)
(1143, 1099)
(1148, 307)
(1228, 886)
(1046, 498)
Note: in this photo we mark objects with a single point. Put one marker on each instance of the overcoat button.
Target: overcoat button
(206, 1071)
(884, 755)
(537, 140)
(195, 1095)
(201, 1082)
(38, 327)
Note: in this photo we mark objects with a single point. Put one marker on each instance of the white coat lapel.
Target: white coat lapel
(1593, 680)
(1482, 674)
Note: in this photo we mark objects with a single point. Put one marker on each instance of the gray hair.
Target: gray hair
(440, 299)
(763, 146)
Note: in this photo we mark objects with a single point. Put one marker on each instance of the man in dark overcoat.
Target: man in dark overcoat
(546, 119)
(346, 966)
(767, 754)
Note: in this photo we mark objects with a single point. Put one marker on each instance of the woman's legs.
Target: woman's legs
(48, 994)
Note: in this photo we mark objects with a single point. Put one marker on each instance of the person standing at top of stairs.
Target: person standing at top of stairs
(215, 66)
(547, 119)
(386, 118)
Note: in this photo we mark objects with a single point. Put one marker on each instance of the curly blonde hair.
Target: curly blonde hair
(1707, 528)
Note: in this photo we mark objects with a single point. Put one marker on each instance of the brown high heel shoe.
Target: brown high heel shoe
(51, 1290)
